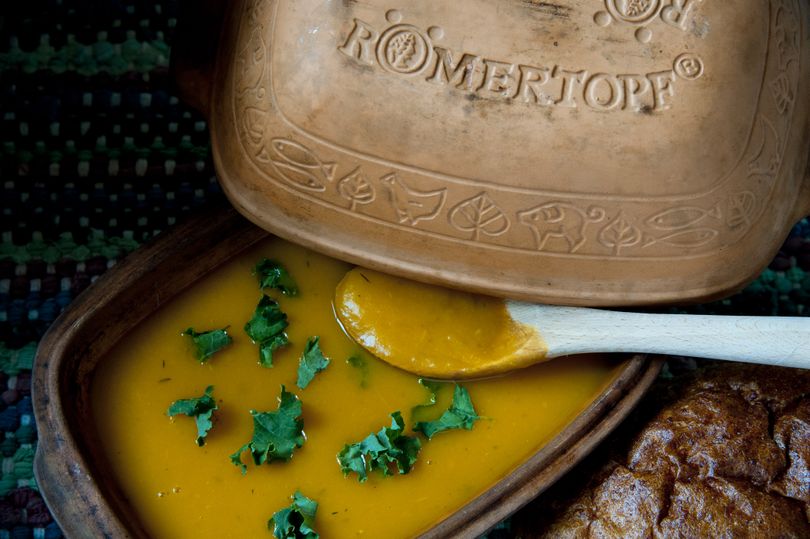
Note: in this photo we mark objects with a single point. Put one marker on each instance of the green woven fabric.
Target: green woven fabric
(96, 156)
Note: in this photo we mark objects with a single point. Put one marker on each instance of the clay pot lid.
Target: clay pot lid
(584, 152)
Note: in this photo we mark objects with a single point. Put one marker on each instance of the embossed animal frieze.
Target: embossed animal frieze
(557, 220)
(410, 204)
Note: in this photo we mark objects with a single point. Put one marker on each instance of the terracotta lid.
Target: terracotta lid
(582, 152)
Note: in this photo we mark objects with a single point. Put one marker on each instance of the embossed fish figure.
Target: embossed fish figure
(683, 217)
(300, 166)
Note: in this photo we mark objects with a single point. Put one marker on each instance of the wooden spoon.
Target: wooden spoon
(441, 333)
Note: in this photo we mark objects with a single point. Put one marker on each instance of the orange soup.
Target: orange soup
(179, 489)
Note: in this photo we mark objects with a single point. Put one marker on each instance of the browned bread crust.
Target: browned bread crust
(727, 456)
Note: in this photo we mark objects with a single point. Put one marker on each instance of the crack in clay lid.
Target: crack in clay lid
(614, 152)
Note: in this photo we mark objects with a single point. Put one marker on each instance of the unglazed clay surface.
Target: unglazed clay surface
(612, 152)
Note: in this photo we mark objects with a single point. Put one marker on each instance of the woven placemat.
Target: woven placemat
(97, 155)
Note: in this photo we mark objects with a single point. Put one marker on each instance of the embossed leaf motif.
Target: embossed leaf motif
(741, 209)
(619, 234)
(787, 35)
(782, 93)
(767, 159)
(252, 62)
(255, 121)
(479, 215)
(356, 188)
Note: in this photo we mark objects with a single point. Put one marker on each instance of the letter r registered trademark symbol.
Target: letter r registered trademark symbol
(688, 66)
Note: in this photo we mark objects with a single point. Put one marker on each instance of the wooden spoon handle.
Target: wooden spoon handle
(779, 341)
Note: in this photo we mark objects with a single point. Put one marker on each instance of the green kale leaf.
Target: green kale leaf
(201, 409)
(460, 415)
(433, 387)
(208, 343)
(275, 434)
(271, 274)
(312, 362)
(266, 329)
(295, 521)
(386, 451)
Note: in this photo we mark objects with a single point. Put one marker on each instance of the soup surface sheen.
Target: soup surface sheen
(179, 490)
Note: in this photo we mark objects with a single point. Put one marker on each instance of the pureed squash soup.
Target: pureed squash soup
(179, 489)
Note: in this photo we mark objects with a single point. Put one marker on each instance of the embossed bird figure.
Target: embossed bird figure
(413, 205)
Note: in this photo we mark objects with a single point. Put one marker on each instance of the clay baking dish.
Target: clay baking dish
(81, 491)
(582, 152)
